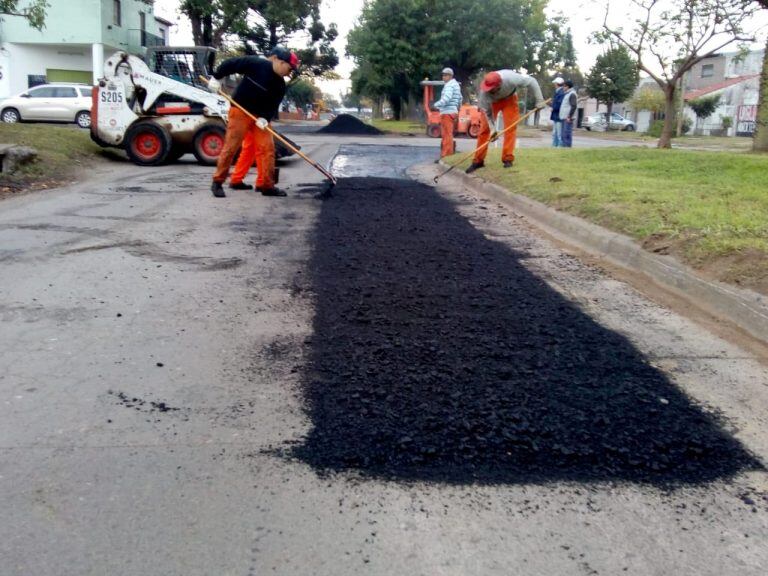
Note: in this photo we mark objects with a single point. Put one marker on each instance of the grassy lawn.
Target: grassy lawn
(708, 208)
(686, 142)
(399, 126)
(63, 151)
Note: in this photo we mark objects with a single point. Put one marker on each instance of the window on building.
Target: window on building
(707, 70)
(117, 16)
(36, 80)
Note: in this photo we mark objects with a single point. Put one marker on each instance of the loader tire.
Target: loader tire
(433, 131)
(208, 143)
(147, 143)
(473, 130)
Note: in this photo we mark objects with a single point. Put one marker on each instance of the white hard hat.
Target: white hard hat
(559, 81)
(448, 71)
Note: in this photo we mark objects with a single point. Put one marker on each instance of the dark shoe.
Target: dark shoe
(474, 166)
(218, 190)
(240, 186)
(507, 163)
(272, 192)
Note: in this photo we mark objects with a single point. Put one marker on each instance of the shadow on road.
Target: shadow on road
(438, 356)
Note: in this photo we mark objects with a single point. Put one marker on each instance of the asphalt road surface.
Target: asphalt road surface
(396, 380)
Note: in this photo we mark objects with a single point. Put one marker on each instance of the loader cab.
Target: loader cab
(184, 64)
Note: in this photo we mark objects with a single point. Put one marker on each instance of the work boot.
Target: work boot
(272, 192)
(474, 166)
(240, 186)
(218, 190)
(507, 163)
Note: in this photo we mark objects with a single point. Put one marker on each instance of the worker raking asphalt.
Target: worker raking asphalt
(436, 355)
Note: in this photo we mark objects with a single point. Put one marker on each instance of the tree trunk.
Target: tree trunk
(669, 117)
(377, 109)
(396, 103)
(760, 139)
(272, 35)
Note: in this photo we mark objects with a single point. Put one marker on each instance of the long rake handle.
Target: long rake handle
(290, 146)
(476, 150)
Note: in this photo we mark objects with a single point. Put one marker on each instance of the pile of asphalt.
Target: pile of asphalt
(437, 356)
(348, 124)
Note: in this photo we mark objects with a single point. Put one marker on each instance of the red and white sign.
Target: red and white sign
(747, 113)
(746, 120)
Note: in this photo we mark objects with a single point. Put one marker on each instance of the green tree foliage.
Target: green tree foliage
(302, 92)
(613, 78)
(649, 98)
(330, 101)
(669, 38)
(705, 106)
(397, 43)
(258, 25)
(557, 57)
(33, 11)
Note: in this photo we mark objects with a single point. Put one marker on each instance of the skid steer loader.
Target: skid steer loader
(157, 110)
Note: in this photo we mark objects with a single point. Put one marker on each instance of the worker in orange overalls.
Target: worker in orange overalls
(448, 106)
(252, 150)
(498, 95)
(260, 92)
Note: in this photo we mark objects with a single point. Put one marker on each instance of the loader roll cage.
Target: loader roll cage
(184, 64)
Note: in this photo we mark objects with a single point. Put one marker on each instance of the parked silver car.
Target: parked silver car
(598, 122)
(50, 103)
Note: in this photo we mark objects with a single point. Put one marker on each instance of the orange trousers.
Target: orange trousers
(243, 134)
(510, 111)
(447, 126)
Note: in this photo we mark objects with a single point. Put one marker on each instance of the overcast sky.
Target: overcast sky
(585, 17)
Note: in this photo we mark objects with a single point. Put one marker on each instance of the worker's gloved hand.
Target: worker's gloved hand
(262, 123)
(494, 136)
(214, 85)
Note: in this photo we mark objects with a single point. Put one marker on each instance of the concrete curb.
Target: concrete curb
(747, 309)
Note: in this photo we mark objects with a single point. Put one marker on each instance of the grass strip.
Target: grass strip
(700, 205)
(62, 150)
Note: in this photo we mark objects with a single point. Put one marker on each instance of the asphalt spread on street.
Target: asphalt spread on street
(437, 356)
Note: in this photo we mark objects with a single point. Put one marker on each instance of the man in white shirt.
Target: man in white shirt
(448, 106)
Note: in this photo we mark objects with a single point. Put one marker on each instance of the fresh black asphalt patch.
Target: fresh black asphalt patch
(437, 356)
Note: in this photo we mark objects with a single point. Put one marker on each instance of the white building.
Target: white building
(72, 46)
(733, 76)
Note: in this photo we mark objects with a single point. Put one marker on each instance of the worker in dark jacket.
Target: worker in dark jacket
(260, 92)
(568, 110)
(557, 124)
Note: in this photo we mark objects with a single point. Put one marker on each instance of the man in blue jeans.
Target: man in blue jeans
(568, 109)
(557, 124)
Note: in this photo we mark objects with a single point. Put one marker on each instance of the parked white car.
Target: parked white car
(598, 122)
(50, 103)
